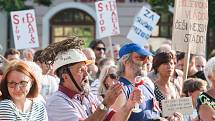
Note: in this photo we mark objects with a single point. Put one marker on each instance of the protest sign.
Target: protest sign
(183, 105)
(24, 29)
(143, 25)
(190, 26)
(107, 18)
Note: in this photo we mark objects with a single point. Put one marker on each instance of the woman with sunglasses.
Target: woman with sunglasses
(19, 87)
(108, 77)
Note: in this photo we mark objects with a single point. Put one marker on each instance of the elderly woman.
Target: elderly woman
(206, 101)
(19, 88)
(163, 65)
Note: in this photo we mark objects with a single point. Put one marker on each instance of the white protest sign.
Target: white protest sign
(183, 105)
(24, 29)
(107, 18)
(190, 26)
(143, 25)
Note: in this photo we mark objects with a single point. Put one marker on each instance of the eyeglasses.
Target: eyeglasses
(14, 84)
(100, 49)
(113, 76)
(141, 58)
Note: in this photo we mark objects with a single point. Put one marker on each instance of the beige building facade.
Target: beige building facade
(67, 17)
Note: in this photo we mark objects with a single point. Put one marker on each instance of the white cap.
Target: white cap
(68, 57)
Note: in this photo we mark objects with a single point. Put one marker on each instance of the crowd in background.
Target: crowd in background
(28, 84)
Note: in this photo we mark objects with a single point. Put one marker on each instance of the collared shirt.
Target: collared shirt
(148, 110)
(67, 105)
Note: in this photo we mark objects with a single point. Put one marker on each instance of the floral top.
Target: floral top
(206, 99)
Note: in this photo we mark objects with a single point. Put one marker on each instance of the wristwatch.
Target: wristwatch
(103, 107)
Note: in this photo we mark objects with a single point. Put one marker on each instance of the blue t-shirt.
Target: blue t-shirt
(147, 113)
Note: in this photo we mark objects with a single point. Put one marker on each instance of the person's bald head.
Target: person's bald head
(89, 54)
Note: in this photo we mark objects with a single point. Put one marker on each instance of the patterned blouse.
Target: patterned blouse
(204, 98)
(160, 96)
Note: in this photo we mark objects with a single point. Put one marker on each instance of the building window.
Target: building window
(165, 25)
(72, 22)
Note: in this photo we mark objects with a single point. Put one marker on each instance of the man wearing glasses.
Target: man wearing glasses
(73, 101)
(132, 59)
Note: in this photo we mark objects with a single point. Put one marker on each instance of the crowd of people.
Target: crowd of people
(66, 82)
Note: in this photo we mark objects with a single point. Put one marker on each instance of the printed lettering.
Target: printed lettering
(16, 19)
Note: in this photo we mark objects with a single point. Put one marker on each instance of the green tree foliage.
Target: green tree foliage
(162, 6)
(211, 13)
(13, 5)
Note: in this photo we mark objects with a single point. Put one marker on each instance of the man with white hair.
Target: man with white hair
(73, 101)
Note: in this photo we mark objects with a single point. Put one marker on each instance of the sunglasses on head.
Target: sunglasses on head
(99, 49)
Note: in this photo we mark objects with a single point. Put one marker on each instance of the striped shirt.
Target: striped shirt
(94, 87)
(60, 107)
(9, 112)
(67, 105)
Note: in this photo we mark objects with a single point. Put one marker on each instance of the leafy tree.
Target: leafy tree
(13, 5)
(162, 6)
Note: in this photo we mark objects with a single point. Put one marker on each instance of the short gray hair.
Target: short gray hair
(209, 69)
(121, 66)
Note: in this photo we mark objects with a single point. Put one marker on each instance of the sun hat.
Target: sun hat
(68, 57)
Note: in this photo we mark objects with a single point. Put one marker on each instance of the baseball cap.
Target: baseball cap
(132, 47)
(69, 57)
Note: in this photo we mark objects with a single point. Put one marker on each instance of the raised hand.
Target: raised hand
(135, 97)
(112, 93)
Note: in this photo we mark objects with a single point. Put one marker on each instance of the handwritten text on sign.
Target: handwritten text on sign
(24, 29)
(190, 25)
(107, 18)
(182, 105)
(143, 25)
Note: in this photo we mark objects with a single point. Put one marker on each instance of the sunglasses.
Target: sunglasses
(141, 58)
(100, 49)
(20, 84)
(113, 76)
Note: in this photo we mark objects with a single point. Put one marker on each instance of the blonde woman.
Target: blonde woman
(108, 77)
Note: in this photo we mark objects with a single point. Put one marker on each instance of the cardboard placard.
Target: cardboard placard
(143, 25)
(183, 105)
(107, 18)
(24, 29)
(190, 26)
